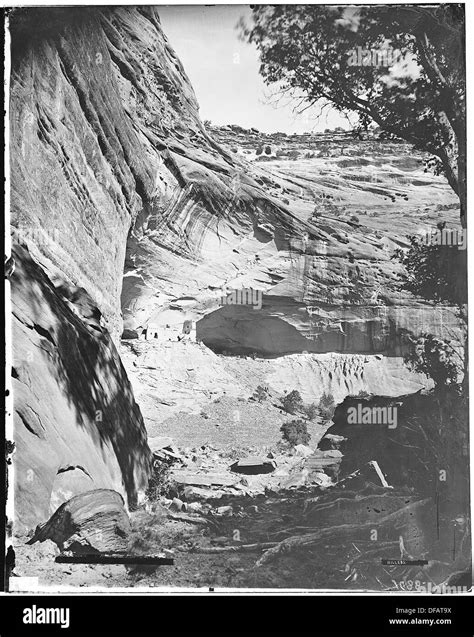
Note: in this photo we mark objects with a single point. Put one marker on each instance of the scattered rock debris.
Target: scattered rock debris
(295, 526)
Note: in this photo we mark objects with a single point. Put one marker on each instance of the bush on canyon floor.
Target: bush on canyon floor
(292, 402)
(295, 432)
(260, 394)
(159, 482)
(327, 406)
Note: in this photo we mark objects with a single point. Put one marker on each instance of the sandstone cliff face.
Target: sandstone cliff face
(93, 95)
(79, 178)
(133, 214)
(106, 133)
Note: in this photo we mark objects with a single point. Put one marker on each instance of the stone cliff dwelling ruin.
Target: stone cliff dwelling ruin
(152, 332)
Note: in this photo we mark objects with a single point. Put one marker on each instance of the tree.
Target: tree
(292, 402)
(435, 270)
(295, 432)
(260, 394)
(334, 55)
(434, 357)
(438, 273)
(327, 406)
(311, 411)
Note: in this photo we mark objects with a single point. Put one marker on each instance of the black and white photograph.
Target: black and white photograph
(236, 280)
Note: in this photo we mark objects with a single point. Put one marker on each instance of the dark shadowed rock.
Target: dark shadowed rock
(253, 465)
(77, 425)
(129, 334)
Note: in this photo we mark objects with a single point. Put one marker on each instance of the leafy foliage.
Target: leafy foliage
(434, 272)
(292, 402)
(160, 480)
(326, 406)
(260, 394)
(311, 411)
(295, 432)
(434, 357)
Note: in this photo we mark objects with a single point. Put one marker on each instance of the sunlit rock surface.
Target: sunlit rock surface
(189, 392)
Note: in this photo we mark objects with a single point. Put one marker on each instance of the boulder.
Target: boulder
(129, 334)
(253, 465)
(303, 451)
(177, 504)
(321, 479)
(225, 511)
(203, 494)
(204, 479)
(330, 441)
(333, 453)
(95, 521)
(159, 442)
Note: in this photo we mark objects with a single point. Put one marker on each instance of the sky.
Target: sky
(224, 71)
